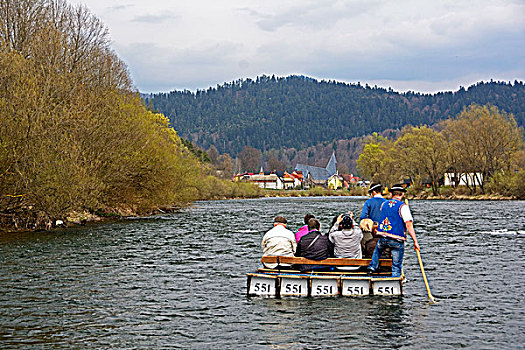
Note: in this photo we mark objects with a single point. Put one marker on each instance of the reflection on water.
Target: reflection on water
(334, 321)
(178, 280)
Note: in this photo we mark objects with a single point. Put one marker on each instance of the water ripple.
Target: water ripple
(178, 281)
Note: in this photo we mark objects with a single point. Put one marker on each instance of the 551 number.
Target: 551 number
(355, 290)
(293, 288)
(324, 290)
(385, 290)
(261, 287)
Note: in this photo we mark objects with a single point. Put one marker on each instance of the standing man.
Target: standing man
(373, 204)
(278, 241)
(370, 213)
(395, 220)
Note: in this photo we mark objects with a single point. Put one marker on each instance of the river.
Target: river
(179, 281)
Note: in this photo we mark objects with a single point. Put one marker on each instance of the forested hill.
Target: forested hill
(298, 111)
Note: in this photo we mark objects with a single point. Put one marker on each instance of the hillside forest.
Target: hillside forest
(297, 119)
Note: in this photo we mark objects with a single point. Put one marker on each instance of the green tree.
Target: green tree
(421, 153)
(74, 135)
(369, 163)
(482, 141)
(375, 161)
(512, 182)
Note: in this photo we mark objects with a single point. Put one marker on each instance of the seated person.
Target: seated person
(366, 226)
(347, 240)
(314, 246)
(278, 241)
(304, 229)
(370, 245)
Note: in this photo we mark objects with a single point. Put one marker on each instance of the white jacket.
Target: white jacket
(278, 241)
(347, 243)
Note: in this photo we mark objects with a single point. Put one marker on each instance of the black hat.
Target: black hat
(347, 222)
(375, 187)
(397, 187)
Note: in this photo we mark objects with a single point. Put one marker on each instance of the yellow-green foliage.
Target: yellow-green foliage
(509, 184)
(212, 187)
(74, 136)
(481, 140)
(512, 181)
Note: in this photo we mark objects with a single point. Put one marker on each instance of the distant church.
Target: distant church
(314, 175)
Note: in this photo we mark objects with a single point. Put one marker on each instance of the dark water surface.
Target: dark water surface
(179, 280)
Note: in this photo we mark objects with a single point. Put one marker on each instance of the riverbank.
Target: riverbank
(411, 194)
(315, 192)
(447, 193)
(479, 197)
(114, 214)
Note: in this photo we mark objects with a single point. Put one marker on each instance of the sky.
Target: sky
(420, 45)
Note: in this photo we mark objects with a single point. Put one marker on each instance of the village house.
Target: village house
(335, 182)
(317, 176)
(292, 180)
(268, 180)
(349, 180)
(245, 177)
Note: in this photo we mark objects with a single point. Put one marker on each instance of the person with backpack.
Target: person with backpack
(314, 246)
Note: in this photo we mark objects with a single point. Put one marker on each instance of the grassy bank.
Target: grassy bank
(315, 192)
(456, 194)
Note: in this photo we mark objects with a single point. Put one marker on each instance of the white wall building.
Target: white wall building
(463, 179)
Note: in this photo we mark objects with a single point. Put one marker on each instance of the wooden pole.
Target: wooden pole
(430, 297)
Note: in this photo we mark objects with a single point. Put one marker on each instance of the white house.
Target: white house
(463, 179)
(270, 181)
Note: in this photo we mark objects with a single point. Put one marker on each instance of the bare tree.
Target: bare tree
(250, 159)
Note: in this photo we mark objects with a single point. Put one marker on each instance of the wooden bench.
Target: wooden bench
(272, 259)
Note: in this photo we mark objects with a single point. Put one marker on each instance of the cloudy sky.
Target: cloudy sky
(415, 45)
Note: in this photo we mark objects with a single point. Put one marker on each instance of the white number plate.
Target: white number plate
(324, 287)
(355, 287)
(262, 286)
(386, 287)
(294, 287)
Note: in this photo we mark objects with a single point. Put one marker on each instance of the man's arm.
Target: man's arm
(336, 225)
(410, 229)
(263, 243)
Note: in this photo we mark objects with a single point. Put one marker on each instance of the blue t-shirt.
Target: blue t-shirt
(372, 208)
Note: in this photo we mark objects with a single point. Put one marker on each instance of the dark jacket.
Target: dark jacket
(321, 249)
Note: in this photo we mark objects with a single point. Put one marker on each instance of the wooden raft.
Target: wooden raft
(283, 281)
